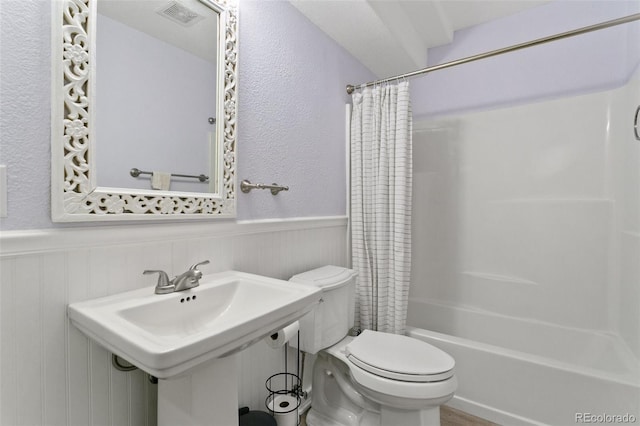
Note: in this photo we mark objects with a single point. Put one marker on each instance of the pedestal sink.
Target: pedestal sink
(189, 337)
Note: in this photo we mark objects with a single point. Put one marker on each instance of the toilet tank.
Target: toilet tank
(332, 318)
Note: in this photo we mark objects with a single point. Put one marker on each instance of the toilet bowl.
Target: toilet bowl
(371, 379)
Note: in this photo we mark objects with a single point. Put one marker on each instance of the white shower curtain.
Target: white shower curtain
(381, 178)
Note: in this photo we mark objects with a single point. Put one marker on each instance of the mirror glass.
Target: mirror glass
(148, 85)
(155, 105)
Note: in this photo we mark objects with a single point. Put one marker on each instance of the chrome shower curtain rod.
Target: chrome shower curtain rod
(351, 88)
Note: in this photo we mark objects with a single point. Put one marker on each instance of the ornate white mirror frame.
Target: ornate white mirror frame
(75, 196)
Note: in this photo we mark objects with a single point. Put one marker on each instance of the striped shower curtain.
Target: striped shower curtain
(381, 177)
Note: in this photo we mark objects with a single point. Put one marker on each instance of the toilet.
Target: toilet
(371, 379)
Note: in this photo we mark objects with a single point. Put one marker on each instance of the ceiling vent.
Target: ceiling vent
(179, 13)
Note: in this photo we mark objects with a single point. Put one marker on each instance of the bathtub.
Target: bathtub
(522, 372)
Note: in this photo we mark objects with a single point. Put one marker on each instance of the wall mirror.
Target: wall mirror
(144, 109)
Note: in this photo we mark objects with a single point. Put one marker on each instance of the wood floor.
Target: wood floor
(448, 417)
(452, 417)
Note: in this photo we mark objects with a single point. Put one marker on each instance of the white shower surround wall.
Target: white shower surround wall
(526, 255)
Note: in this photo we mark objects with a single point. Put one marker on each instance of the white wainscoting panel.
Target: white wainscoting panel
(51, 374)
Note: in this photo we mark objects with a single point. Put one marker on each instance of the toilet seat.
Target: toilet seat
(400, 358)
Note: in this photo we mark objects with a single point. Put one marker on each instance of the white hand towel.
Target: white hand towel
(160, 180)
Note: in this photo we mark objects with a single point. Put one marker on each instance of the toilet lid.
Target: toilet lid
(399, 357)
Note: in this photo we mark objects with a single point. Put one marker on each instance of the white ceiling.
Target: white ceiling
(391, 37)
(199, 39)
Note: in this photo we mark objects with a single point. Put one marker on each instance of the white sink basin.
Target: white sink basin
(168, 334)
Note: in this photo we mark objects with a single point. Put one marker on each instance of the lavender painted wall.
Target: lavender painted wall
(587, 63)
(291, 94)
(291, 112)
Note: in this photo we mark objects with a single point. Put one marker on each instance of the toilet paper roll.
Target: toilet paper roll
(280, 337)
(284, 410)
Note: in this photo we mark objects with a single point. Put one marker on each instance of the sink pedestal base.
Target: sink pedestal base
(207, 396)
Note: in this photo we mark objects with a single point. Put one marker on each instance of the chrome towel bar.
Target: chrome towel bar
(137, 172)
(246, 186)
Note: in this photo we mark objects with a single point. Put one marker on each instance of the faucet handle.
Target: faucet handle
(195, 266)
(163, 285)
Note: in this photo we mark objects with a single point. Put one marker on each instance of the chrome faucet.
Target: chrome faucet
(184, 281)
(189, 279)
(164, 285)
